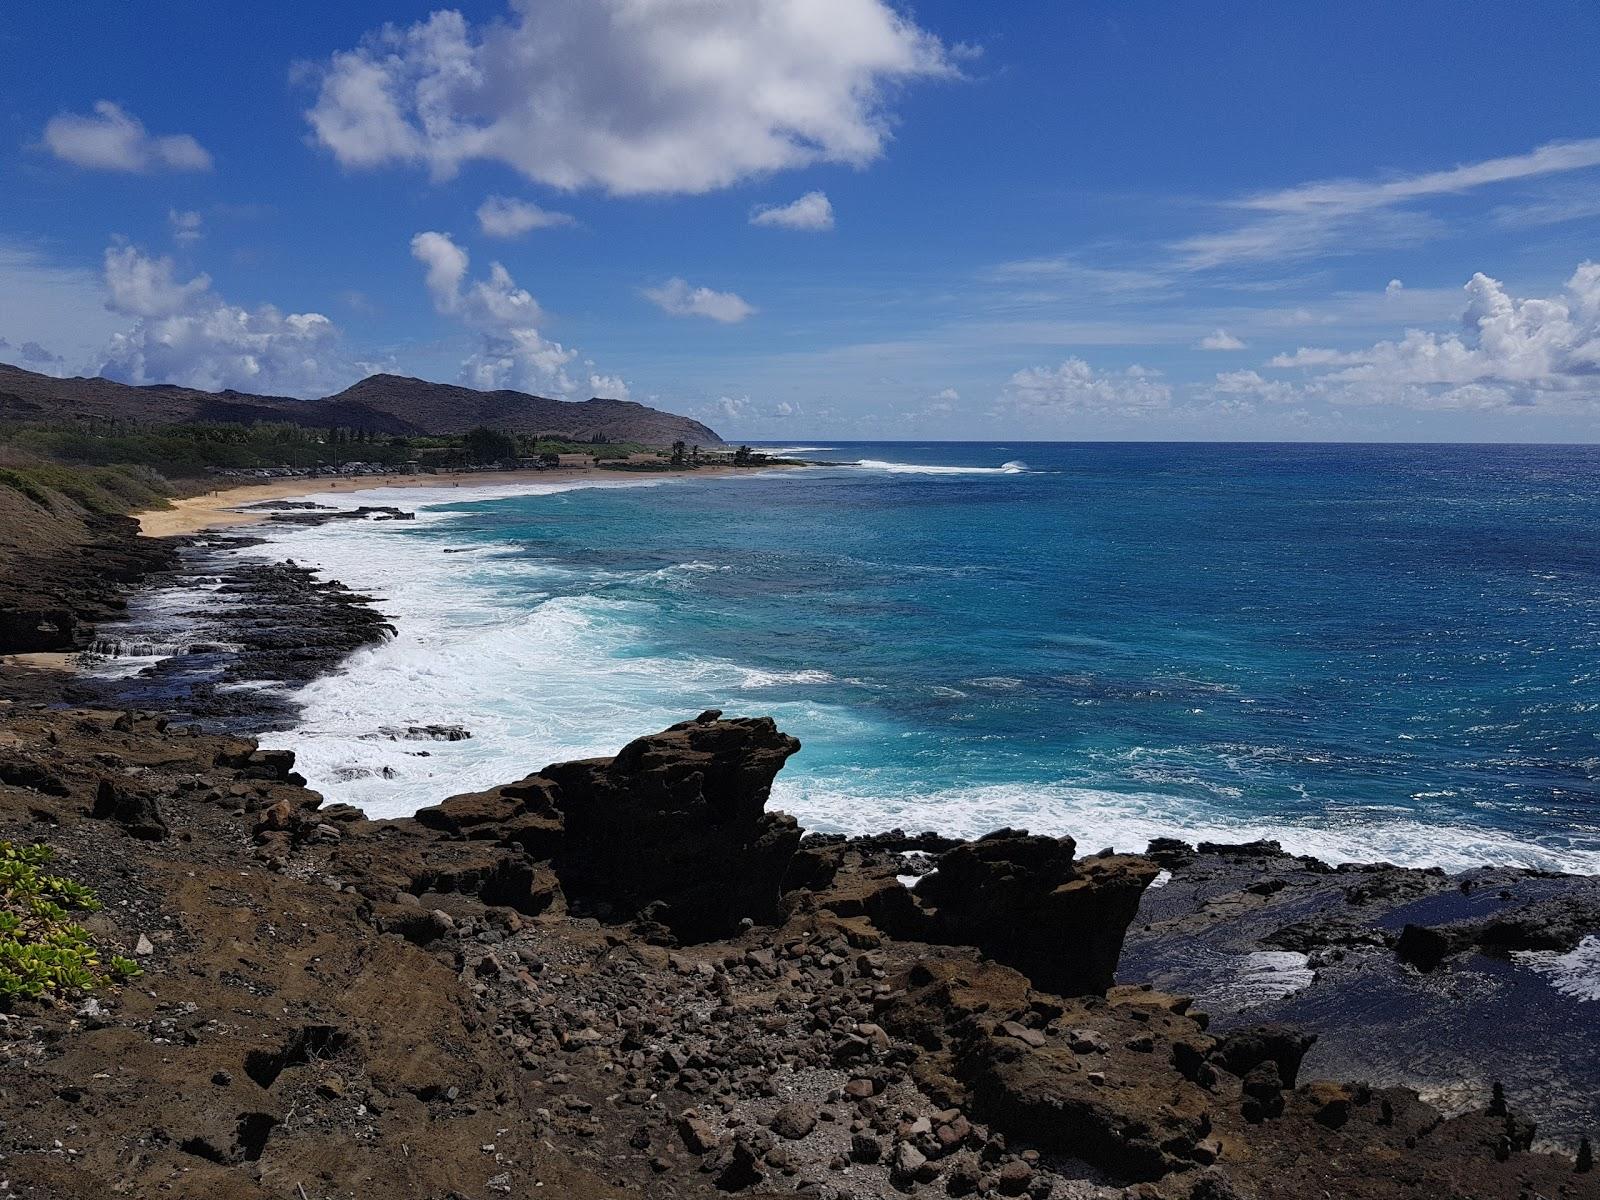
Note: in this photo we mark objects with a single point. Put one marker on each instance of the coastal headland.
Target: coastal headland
(628, 976)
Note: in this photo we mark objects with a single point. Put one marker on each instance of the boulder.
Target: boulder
(1025, 901)
(134, 811)
(680, 818)
(793, 1121)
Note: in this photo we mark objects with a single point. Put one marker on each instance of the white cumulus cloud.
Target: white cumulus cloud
(184, 333)
(632, 96)
(1252, 385)
(1508, 351)
(677, 297)
(512, 352)
(611, 387)
(507, 217)
(812, 213)
(113, 139)
(1077, 387)
(1219, 339)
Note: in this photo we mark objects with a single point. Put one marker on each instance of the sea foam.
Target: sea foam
(545, 661)
(898, 468)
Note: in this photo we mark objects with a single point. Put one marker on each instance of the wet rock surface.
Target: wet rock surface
(225, 638)
(57, 587)
(1417, 978)
(334, 1006)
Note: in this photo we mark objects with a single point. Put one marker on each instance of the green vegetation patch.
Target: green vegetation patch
(190, 450)
(18, 481)
(98, 489)
(43, 953)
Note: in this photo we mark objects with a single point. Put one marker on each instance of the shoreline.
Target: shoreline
(220, 509)
(1327, 844)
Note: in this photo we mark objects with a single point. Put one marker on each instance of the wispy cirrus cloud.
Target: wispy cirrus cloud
(186, 225)
(1341, 215)
(1555, 207)
(1355, 195)
(1070, 271)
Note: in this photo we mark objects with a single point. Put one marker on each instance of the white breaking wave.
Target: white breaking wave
(487, 641)
(1258, 978)
(756, 678)
(783, 451)
(1575, 973)
(894, 468)
(1127, 821)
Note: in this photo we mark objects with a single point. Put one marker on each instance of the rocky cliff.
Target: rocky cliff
(64, 568)
(626, 977)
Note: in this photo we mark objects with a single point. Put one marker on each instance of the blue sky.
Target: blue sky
(1030, 219)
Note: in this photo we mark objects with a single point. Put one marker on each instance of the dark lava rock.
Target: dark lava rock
(1170, 852)
(793, 1121)
(1554, 923)
(1023, 899)
(134, 811)
(680, 817)
(1244, 1050)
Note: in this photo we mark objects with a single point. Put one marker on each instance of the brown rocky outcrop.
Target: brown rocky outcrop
(676, 823)
(1026, 901)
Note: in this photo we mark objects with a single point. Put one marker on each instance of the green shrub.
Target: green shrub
(20, 482)
(42, 952)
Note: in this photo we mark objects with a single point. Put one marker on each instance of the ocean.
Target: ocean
(1366, 652)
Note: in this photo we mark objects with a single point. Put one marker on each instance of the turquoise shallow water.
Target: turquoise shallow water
(1367, 651)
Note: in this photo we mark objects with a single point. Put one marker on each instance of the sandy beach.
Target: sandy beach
(220, 508)
(42, 660)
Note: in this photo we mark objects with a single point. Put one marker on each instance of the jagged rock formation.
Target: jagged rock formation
(673, 829)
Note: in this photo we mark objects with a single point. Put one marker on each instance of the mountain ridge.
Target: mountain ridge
(381, 403)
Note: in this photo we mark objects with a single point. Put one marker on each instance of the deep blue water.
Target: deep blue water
(1370, 651)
